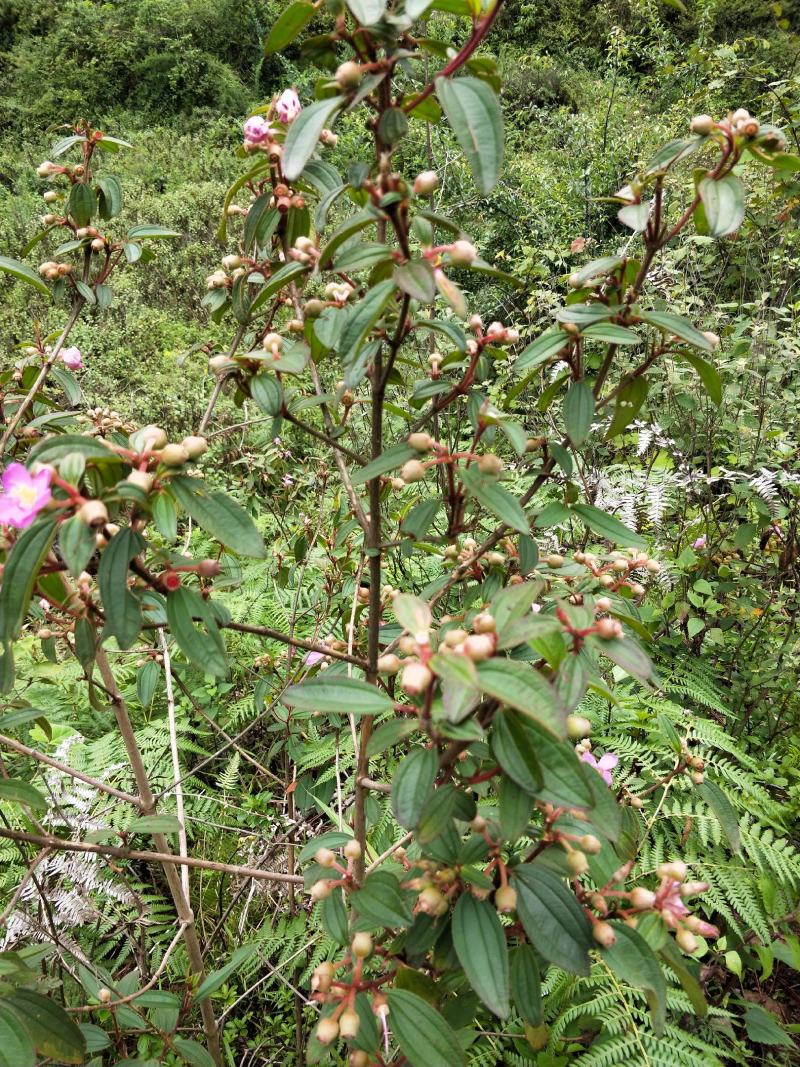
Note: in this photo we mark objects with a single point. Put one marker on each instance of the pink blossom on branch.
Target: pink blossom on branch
(604, 766)
(288, 106)
(256, 130)
(701, 542)
(71, 357)
(23, 496)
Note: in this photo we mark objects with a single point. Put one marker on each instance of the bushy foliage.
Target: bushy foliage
(398, 627)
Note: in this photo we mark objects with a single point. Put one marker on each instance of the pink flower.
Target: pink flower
(72, 358)
(670, 903)
(288, 106)
(256, 130)
(604, 766)
(701, 542)
(312, 658)
(24, 495)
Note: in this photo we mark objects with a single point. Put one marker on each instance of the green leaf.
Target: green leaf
(85, 643)
(53, 1032)
(674, 324)
(514, 751)
(142, 233)
(285, 274)
(391, 459)
(541, 350)
(380, 901)
(368, 12)
(220, 516)
(20, 574)
(520, 686)
(193, 1052)
(723, 203)
(597, 268)
(723, 809)
(480, 945)
(203, 647)
(147, 679)
(611, 333)
(763, 1028)
(707, 372)
(498, 500)
(362, 317)
(629, 655)
(304, 134)
(629, 400)
(22, 272)
(109, 196)
(267, 392)
(526, 988)
(514, 806)
(413, 614)
(337, 695)
(77, 544)
(578, 411)
(333, 916)
(413, 784)
(416, 279)
(635, 216)
(155, 824)
(347, 229)
(122, 607)
(474, 114)
(606, 526)
(673, 152)
(16, 1047)
(632, 959)
(566, 779)
(212, 982)
(17, 791)
(387, 734)
(425, 1039)
(288, 25)
(552, 918)
(584, 314)
(82, 203)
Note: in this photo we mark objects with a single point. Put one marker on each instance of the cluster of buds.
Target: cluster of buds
(668, 900)
(694, 766)
(260, 135)
(106, 421)
(51, 271)
(739, 123)
(327, 859)
(304, 251)
(338, 292)
(618, 569)
(417, 676)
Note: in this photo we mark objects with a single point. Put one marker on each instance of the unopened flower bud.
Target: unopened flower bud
(425, 183)
(231, 262)
(413, 471)
(431, 902)
(93, 513)
(740, 115)
(642, 899)
(104, 995)
(479, 647)
(686, 941)
(388, 664)
(358, 1058)
(352, 849)
(577, 862)
(173, 455)
(320, 890)
(606, 629)
(554, 560)
(348, 75)
(463, 253)
(349, 1023)
(141, 479)
(712, 338)
(327, 1031)
(322, 977)
(490, 464)
(589, 843)
(154, 436)
(505, 899)
(416, 678)
(484, 623)
(603, 933)
(691, 889)
(702, 125)
(325, 857)
(195, 446)
(219, 365)
(422, 442)
(603, 603)
(675, 869)
(361, 945)
(47, 169)
(578, 727)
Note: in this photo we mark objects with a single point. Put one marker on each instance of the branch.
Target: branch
(168, 859)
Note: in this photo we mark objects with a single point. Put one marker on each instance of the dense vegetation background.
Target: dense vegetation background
(589, 91)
